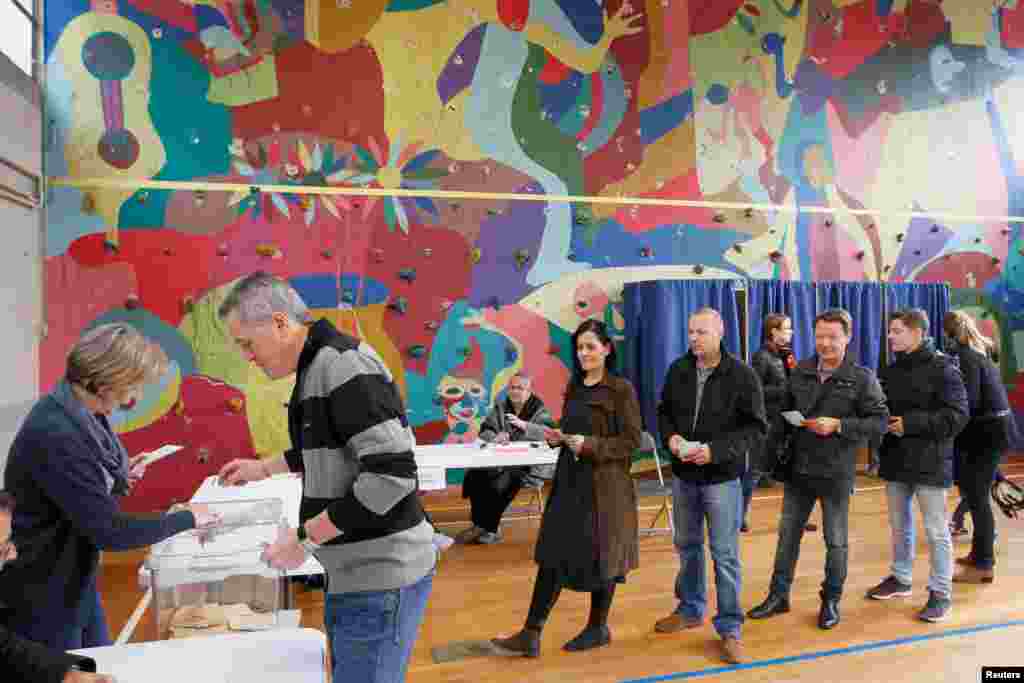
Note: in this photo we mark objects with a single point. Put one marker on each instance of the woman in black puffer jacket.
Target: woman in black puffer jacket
(980, 446)
(772, 363)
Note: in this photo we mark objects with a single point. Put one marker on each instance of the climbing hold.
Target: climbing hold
(327, 253)
(511, 354)
(1005, 231)
(431, 325)
(748, 212)
(828, 222)
(859, 256)
(132, 302)
(718, 217)
(378, 254)
(554, 350)
(522, 257)
(455, 206)
(887, 269)
(871, 226)
(493, 212)
(474, 255)
(995, 261)
(917, 252)
(203, 455)
(188, 304)
(738, 248)
(935, 228)
(417, 350)
(407, 274)
(348, 296)
(222, 249)
(428, 252)
(977, 240)
(266, 249)
(399, 304)
(899, 237)
(446, 304)
(464, 350)
(110, 245)
(775, 256)
(698, 269)
(143, 196)
(235, 405)
(168, 251)
(646, 252)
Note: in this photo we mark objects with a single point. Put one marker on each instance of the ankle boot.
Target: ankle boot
(773, 604)
(588, 638)
(972, 574)
(526, 643)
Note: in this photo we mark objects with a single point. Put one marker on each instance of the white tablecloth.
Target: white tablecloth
(282, 655)
(433, 460)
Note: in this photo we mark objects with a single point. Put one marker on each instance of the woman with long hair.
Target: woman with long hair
(982, 443)
(588, 534)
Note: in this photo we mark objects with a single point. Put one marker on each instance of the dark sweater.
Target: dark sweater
(65, 513)
(25, 661)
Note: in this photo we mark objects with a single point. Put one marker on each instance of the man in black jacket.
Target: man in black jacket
(26, 660)
(928, 401)
(841, 406)
(711, 417)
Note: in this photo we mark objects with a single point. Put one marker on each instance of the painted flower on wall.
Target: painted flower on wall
(407, 169)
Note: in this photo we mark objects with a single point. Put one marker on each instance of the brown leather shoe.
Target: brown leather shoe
(732, 650)
(966, 561)
(972, 574)
(675, 622)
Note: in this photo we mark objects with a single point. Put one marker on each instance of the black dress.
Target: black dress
(567, 529)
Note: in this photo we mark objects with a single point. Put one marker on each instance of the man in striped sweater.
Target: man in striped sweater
(360, 515)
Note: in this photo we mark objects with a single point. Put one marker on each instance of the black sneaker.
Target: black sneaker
(938, 608)
(890, 588)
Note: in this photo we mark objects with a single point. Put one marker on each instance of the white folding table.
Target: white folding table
(294, 654)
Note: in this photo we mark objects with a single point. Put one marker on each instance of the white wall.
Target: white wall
(20, 257)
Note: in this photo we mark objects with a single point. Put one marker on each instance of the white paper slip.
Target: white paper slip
(794, 417)
(689, 446)
(159, 454)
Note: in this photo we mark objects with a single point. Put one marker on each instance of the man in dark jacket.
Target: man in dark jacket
(711, 417)
(26, 660)
(841, 405)
(522, 416)
(928, 401)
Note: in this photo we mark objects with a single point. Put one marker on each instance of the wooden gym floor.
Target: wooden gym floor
(484, 591)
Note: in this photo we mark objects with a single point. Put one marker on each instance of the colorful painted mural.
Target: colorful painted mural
(887, 105)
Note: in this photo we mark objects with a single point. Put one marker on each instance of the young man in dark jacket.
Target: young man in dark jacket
(26, 661)
(842, 406)
(928, 402)
(711, 417)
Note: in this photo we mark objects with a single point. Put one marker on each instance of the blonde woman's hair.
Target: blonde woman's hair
(114, 356)
(962, 327)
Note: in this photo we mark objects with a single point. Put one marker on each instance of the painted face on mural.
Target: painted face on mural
(944, 68)
(463, 399)
(263, 344)
(591, 351)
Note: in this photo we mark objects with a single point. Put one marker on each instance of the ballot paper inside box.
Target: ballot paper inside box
(214, 581)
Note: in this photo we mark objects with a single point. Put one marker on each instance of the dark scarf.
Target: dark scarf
(113, 456)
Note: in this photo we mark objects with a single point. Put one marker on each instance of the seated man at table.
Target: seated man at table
(522, 416)
(27, 660)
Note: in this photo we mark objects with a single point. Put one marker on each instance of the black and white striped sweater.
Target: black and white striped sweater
(351, 439)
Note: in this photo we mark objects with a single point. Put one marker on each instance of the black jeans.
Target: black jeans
(977, 471)
(490, 493)
(797, 504)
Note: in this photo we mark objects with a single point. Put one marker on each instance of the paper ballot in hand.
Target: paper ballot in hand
(794, 417)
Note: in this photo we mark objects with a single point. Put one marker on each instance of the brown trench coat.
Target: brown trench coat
(616, 428)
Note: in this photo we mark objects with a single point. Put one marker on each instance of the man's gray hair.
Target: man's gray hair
(257, 297)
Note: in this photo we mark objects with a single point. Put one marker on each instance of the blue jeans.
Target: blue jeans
(797, 503)
(721, 505)
(932, 501)
(62, 628)
(749, 482)
(372, 633)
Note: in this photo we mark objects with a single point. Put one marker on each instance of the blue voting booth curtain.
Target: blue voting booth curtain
(864, 302)
(656, 314)
(798, 300)
(930, 296)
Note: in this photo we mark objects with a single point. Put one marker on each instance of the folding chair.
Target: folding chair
(648, 487)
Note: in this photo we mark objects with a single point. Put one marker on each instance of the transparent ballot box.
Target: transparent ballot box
(213, 581)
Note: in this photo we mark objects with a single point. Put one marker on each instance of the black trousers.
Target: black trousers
(976, 473)
(546, 590)
(490, 492)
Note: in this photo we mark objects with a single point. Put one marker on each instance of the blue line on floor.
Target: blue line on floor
(825, 653)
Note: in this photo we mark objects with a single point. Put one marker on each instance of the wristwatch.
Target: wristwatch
(305, 541)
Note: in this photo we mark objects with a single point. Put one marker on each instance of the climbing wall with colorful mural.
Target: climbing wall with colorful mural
(891, 106)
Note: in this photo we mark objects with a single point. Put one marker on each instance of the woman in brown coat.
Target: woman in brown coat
(588, 535)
